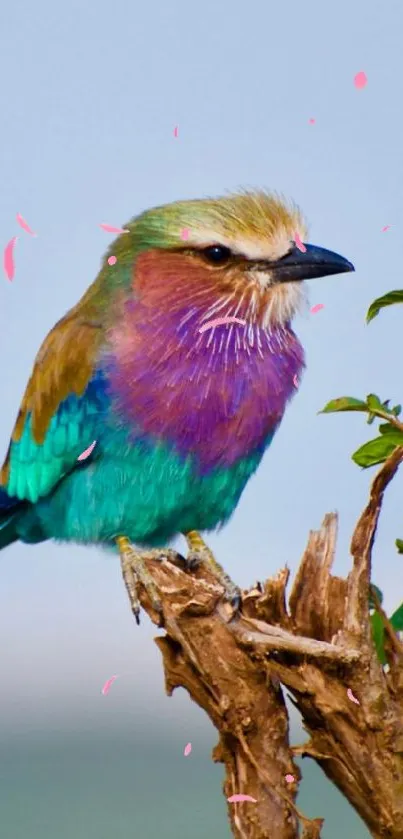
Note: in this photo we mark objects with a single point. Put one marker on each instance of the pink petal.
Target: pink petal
(384, 229)
(360, 79)
(239, 797)
(176, 131)
(352, 697)
(220, 322)
(317, 308)
(188, 749)
(87, 452)
(289, 779)
(300, 245)
(312, 121)
(295, 381)
(112, 260)
(111, 229)
(24, 225)
(185, 233)
(8, 258)
(108, 684)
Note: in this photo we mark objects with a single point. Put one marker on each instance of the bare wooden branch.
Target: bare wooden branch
(321, 650)
(201, 653)
(356, 617)
(266, 638)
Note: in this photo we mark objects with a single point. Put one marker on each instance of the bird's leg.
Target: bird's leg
(200, 552)
(135, 571)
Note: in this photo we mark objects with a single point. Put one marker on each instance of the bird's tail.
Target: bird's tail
(10, 511)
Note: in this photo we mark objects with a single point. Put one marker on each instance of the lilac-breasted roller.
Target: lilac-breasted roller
(181, 415)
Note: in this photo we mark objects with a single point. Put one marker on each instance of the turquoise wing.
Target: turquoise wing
(60, 410)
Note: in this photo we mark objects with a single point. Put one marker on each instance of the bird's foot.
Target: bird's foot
(199, 553)
(135, 573)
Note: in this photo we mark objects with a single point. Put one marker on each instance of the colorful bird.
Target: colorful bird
(181, 416)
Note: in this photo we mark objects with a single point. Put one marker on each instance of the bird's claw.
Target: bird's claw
(136, 573)
(236, 601)
(193, 560)
(199, 553)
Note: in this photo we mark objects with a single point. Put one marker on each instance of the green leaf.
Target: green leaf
(344, 403)
(378, 408)
(375, 451)
(378, 594)
(378, 630)
(378, 636)
(375, 404)
(387, 300)
(388, 430)
(397, 619)
(386, 427)
(399, 545)
(396, 410)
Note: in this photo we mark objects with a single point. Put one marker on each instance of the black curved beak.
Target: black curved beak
(313, 262)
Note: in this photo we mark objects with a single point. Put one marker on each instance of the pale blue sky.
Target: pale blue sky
(90, 95)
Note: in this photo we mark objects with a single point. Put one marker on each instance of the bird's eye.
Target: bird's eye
(217, 254)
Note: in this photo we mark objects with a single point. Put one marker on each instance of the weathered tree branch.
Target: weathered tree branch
(321, 650)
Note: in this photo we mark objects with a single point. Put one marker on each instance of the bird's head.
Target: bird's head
(238, 250)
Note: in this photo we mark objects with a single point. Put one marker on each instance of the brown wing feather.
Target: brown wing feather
(63, 365)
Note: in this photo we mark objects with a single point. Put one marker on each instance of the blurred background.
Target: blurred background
(262, 94)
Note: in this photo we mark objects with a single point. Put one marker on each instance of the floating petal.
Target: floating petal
(300, 245)
(239, 797)
(360, 80)
(352, 697)
(24, 225)
(109, 228)
(8, 258)
(220, 322)
(86, 453)
(108, 684)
